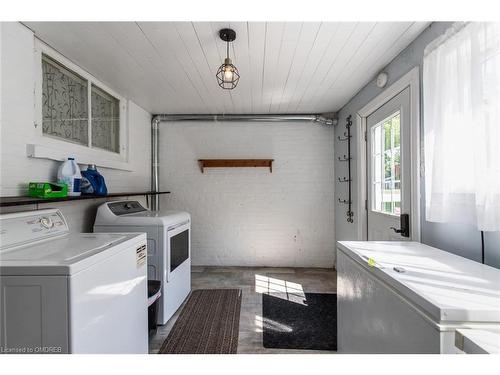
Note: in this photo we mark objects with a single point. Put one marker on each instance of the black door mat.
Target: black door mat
(307, 321)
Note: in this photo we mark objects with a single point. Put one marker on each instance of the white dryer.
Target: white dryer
(169, 247)
(63, 292)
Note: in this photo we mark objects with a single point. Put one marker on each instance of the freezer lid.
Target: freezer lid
(447, 287)
(64, 255)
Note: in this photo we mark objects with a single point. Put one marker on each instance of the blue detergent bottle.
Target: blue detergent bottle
(93, 182)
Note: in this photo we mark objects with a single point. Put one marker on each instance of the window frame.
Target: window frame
(55, 148)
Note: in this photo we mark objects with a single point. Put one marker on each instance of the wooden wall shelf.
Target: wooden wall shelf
(236, 163)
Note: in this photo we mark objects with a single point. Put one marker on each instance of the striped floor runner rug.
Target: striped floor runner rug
(208, 324)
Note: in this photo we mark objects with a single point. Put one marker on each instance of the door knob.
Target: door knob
(404, 229)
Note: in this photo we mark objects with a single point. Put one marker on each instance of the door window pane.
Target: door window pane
(386, 166)
(105, 120)
(64, 103)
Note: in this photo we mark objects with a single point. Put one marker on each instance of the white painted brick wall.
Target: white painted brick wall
(246, 216)
(16, 130)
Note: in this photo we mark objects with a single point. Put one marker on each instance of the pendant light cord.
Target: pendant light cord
(227, 49)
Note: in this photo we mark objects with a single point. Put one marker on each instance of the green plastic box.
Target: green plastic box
(47, 190)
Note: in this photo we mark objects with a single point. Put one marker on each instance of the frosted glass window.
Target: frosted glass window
(386, 167)
(105, 120)
(64, 103)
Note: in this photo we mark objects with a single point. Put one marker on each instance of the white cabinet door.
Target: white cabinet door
(388, 168)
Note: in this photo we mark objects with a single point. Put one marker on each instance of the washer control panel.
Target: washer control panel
(21, 228)
(46, 222)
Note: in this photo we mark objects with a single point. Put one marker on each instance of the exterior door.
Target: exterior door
(388, 168)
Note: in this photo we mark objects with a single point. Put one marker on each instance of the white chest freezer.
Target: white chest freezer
(64, 292)
(406, 297)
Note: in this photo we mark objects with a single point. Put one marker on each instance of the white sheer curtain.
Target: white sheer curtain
(461, 82)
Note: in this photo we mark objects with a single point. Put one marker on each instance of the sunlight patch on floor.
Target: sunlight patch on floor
(261, 322)
(280, 288)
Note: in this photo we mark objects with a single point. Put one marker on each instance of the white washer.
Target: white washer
(407, 297)
(169, 247)
(64, 292)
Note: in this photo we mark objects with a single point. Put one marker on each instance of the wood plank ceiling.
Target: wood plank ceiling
(285, 67)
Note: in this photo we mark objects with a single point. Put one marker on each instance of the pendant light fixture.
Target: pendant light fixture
(227, 74)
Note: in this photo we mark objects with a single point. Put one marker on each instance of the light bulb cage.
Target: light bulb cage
(221, 75)
(227, 35)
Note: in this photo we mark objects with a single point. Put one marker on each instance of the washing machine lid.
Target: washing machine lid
(131, 213)
(67, 254)
(447, 287)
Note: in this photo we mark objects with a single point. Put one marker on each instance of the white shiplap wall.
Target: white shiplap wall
(285, 67)
(17, 130)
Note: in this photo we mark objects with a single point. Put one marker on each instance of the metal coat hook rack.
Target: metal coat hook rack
(347, 158)
(344, 179)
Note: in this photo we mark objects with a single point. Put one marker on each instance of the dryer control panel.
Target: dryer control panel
(21, 228)
(125, 207)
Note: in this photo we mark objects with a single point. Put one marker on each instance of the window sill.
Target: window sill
(82, 157)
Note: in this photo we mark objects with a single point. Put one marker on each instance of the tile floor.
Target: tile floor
(254, 281)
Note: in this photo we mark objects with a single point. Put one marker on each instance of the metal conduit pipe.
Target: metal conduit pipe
(157, 119)
(262, 118)
(155, 148)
